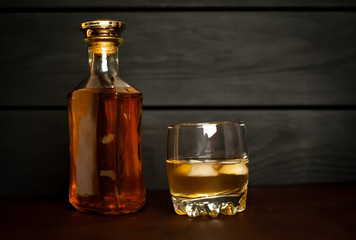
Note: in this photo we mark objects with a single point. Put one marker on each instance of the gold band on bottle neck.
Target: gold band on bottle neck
(100, 45)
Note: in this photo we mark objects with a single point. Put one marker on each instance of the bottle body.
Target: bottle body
(105, 149)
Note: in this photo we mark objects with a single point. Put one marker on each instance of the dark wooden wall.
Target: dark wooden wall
(287, 68)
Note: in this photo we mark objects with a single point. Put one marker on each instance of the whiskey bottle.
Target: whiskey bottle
(105, 130)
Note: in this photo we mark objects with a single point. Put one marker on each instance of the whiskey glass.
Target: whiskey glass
(207, 168)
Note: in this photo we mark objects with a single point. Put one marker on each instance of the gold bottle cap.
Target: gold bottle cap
(102, 28)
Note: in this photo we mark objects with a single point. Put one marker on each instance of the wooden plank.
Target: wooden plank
(177, 3)
(34, 152)
(189, 58)
(286, 147)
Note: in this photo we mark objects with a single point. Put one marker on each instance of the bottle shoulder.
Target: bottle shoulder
(89, 94)
(106, 84)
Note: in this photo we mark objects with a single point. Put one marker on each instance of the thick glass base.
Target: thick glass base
(92, 205)
(95, 210)
(228, 204)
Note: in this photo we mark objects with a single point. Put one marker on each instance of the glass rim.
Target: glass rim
(189, 124)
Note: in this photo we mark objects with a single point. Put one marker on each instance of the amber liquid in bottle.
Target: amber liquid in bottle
(105, 140)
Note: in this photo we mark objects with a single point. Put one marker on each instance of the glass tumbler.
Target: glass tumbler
(207, 168)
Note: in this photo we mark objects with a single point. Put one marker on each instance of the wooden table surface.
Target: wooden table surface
(317, 211)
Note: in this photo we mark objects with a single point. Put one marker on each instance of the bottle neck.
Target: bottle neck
(103, 57)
